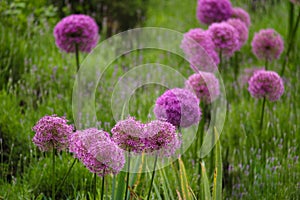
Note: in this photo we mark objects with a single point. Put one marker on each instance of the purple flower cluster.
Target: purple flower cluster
(295, 1)
(52, 131)
(241, 29)
(199, 48)
(210, 11)
(247, 74)
(76, 29)
(266, 84)
(241, 14)
(128, 134)
(267, 45)
(225, 37)
(205, 85)
(161, 138)
(178, 106)
(156, 136)
(95, 149)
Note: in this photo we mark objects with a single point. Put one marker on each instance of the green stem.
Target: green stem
(66, 175)
(262, 114)
(221, 61)
(127, 178)
(95, 185)
(77, 57)
(103, 181)
(236, 65)
(290, 45)
(291, 19)
(152, 179)
(53, 173)
(266, 64)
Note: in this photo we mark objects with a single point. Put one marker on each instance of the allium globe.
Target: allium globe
(247, 74)
(161, 138)
(225, 37)
(266, 84)
(179, 107)
(52, 131)
(95, 149)
(241, 14)
(128, 134)
(210, 11)
(205, 85)
(241, 29)
(267, 44)
(200, 49)
(76, 29)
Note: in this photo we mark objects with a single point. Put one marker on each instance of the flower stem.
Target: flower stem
(291, 19)
(221, 61)
(66, 175)
(53, 173)
(152, 179)
(266, 64)
(77, 57)
(127, 178)
(290, 44)
(236, 65)
(262, 114)
(95, 185)
(103, 181)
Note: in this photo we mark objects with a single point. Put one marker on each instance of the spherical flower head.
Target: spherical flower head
(97, 151)
(77, 29)
(52, 131)
(200, 49)
(247, 74)
(266, 84)
(241, 29)
(161, 138)
(267, 44)
(297, 2)
(210, 11)
(128, 134)
(179, 107)
(205, 85)
(225, 37)
(241, 14)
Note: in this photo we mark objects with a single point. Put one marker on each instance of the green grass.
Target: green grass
(256, 165)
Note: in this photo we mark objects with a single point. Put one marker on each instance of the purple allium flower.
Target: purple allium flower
(266, 84)
(210, 11)
(76, 29)
(52, 131)
(97, 151)
(161, 138)
(128, 134)
(198, 45)
(295, 1)
(267, 44)
(247, 74)
(178, 106)
(225, 37)
(241, 29)
(241, 14)
(205, 85)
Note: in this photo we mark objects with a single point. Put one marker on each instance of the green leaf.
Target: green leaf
(217, 188)
(183, 181)
(121, 185)
(205, 192)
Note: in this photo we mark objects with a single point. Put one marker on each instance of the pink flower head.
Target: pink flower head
(128, 134)
(161, 138)
(76, 29)
(210, 11)
(97, 151)
(241, 14)
(267, 45)
(247, 74)
(266, 84)
(297, 2)
(52, 131)
(241, 29)
(225, 37)
(179, 107)
(205, 85)
(199, 48)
